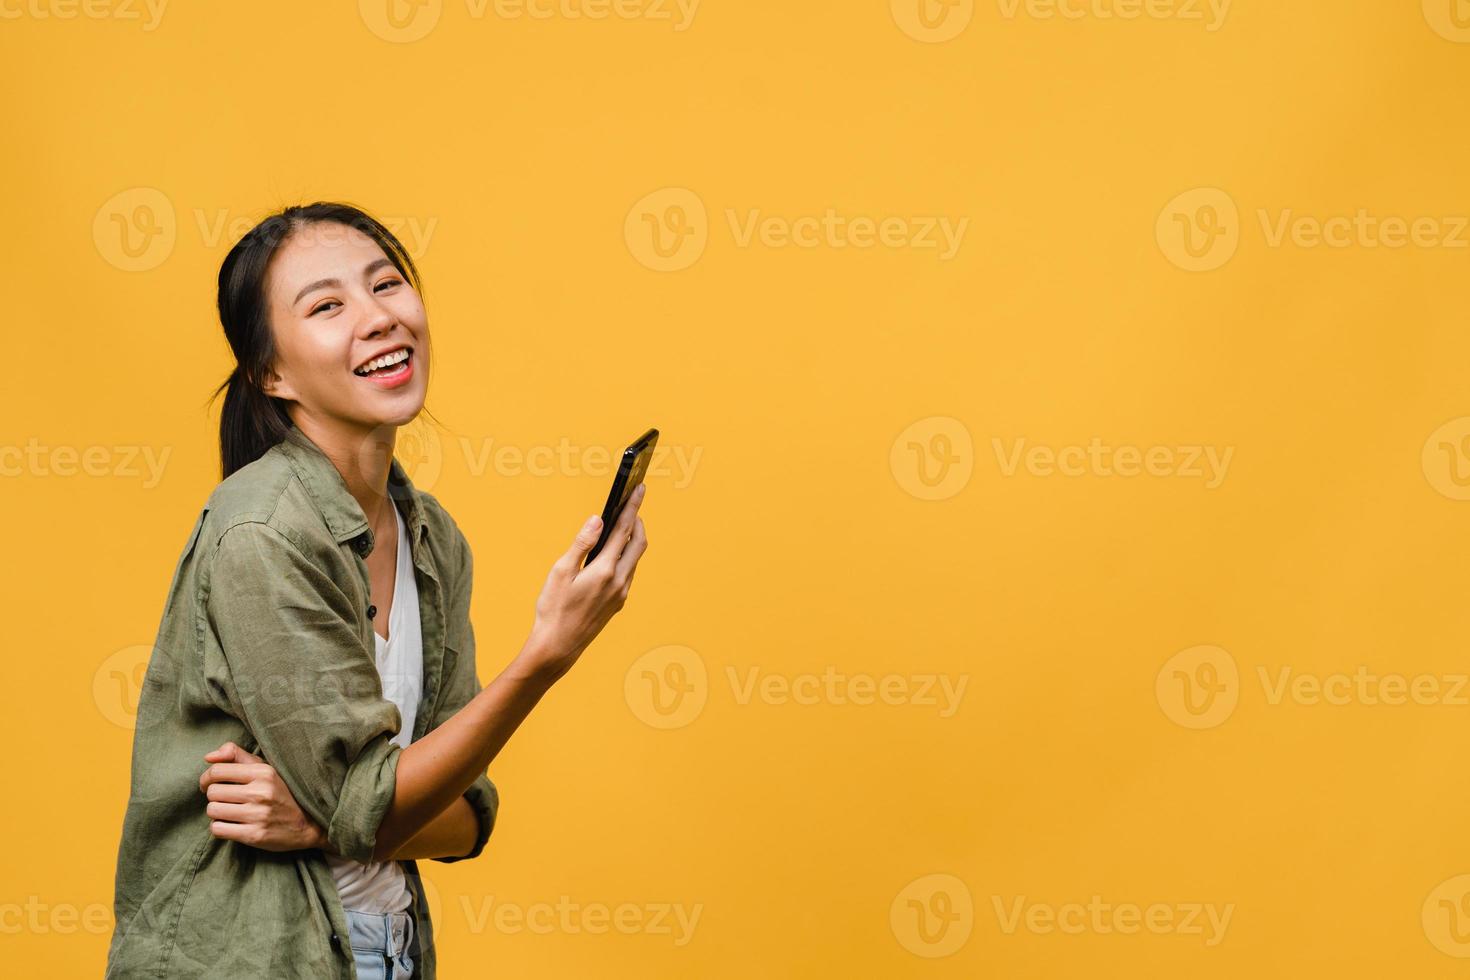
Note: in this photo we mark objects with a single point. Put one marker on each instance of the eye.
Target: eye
(331, 302)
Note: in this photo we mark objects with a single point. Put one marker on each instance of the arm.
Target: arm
(574, 605)
(252, 805)
(450, 834)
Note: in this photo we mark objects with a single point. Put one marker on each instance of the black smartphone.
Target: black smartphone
(630, 473)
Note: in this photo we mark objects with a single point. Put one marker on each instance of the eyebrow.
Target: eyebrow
(337, 283)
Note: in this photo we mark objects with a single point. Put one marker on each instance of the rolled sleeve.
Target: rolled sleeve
(284, 654)
(462, 684)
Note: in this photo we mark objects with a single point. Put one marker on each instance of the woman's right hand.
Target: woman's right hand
(576, 602)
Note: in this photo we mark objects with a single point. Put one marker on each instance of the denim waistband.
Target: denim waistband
(389, 933)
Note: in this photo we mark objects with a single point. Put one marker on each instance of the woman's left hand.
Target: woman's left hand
(250, 803)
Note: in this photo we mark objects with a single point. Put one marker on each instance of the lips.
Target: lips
(393, 375)
(384, 358)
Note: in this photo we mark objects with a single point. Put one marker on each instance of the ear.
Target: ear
(276, 386)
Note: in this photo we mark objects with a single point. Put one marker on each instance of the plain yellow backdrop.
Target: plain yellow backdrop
(1079, 594)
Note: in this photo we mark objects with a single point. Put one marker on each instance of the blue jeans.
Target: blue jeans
(380, 944)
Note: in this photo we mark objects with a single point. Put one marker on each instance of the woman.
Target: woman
(315, 653)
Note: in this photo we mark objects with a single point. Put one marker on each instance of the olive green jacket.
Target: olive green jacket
(266, 641)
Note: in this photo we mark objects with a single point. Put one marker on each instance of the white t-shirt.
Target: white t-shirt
(381, 886)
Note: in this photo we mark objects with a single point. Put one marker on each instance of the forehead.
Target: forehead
(323, 250)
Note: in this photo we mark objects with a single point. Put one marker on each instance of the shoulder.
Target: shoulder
(265, 501)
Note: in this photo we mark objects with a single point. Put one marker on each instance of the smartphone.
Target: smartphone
(630, 473)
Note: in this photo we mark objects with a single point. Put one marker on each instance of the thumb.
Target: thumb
(585, 539)
(230, 752)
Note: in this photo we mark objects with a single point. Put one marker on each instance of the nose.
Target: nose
(377, 319)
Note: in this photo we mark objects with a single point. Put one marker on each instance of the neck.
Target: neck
(362, 455)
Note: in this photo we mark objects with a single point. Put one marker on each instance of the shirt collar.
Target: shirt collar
(344, 516)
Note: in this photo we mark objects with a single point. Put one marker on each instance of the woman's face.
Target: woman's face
(336, 304)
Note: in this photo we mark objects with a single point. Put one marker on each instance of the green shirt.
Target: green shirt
(266, 641)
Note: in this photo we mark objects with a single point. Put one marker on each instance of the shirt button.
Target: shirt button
(362, 545)
(372, 611)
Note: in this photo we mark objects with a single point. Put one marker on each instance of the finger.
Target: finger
(622, 529)
(637, 544)
(229, 772)
(229, 793)
(225, 830)
(232, 812)
(582, 543)
(230, 752)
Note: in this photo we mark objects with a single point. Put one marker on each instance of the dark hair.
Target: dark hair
(252, 421)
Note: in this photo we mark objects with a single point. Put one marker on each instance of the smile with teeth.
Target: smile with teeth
(387, 361)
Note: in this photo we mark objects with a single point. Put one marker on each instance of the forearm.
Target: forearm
(450, 834)
(436, 770)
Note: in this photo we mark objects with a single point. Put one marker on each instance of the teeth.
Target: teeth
(401, 354)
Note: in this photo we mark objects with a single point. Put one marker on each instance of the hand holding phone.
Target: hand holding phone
(577, 602)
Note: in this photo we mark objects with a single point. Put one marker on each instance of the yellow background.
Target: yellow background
(800, 541)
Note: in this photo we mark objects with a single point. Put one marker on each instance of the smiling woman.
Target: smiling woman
(316, 656)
